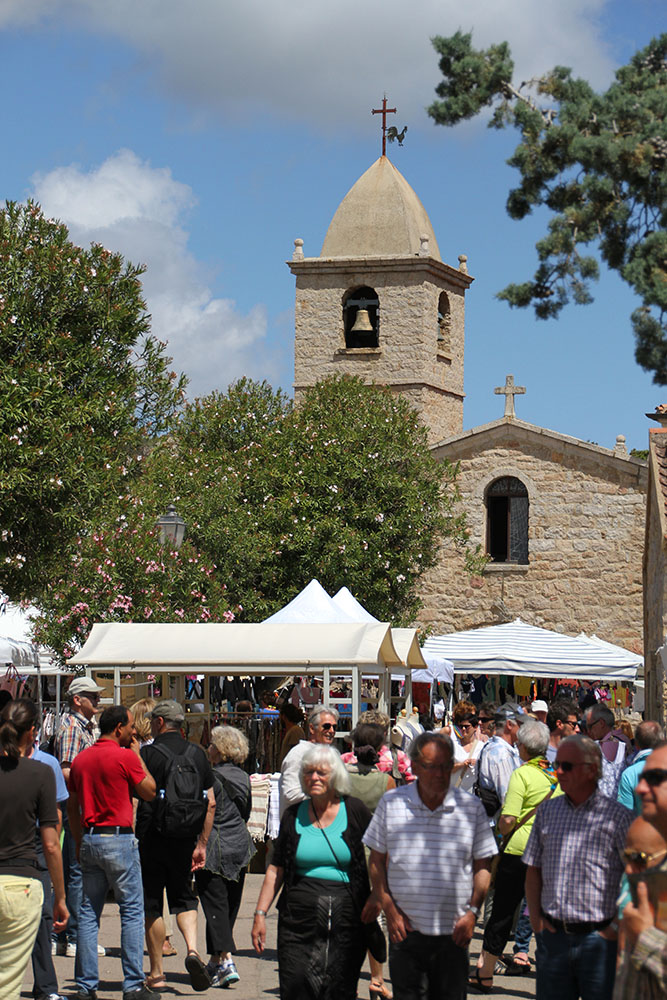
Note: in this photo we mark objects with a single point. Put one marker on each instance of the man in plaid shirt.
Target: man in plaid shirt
(574, 869)
(75, 733)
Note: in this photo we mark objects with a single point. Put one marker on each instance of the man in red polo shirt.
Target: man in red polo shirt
(102, 781)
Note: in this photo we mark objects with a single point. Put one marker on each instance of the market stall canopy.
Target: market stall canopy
(517, 648)
(15, 634)
(313, 605)
(437, 669)
(255, 648)
(348, 603)
(21, 654)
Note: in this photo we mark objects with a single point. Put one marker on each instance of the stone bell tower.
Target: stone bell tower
(379, 302)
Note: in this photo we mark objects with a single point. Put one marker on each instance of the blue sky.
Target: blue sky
(203, 138)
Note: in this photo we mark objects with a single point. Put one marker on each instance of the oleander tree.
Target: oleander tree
(597, 161)
(85, 390)
(342, 487)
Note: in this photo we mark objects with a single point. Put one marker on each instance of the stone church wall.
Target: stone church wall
(655, 612)
(586, 535)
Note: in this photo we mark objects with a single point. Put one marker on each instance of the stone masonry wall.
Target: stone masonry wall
(408, 357)
(586, 535)
(655, 612)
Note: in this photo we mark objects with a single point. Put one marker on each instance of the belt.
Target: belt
(108, 831)
(570, 927)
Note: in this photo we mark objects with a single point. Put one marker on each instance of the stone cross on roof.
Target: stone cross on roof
(384, 111)
(509, 391)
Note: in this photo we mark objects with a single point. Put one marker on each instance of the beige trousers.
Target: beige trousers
(20, 912)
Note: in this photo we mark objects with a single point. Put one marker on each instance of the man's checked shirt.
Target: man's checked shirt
(578, 850)
(75, 734)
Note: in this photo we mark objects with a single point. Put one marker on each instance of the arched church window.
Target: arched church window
(507, 520)
(361, 317)
(444, 323)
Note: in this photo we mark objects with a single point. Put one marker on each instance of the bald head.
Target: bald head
(649, 735)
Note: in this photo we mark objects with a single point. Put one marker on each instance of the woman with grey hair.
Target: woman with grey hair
(529, 785)
(228, 852)
(320, 864)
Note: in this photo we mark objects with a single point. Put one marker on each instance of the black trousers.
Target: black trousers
(508, 893)
(220, 900)
(425, 967)
(43, 969)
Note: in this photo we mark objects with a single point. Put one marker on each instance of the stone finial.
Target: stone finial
(659, 414)
(620, 449)
(423, 246)
(463, 263)
(509, 391)
(298, 250)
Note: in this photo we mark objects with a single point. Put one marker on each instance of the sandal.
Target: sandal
(477, 982)
(199, 977)
(379, 991)
(168, 949)
(156, 983)
(520, 963)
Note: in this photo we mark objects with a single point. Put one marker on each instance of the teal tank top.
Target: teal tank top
(314, 857)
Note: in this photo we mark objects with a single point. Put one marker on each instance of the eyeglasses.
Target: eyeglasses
(326, 726)
(566, 765)
(468, 725)
(653, 776)
(91, 697)
(486, 718)
(572, 722)
(640, 858)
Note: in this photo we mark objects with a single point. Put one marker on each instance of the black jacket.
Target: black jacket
(284, 855)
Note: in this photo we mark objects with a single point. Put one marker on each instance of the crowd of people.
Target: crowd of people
(539, 822)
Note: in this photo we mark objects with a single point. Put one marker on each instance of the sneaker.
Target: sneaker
(84, 995)
(227, 974)
(143, 993)
(212, 972)
(70, 950)
(52, 996)
(199, 977)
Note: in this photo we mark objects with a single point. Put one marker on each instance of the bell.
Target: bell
(362, 322)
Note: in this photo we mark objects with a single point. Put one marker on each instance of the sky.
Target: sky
(202, 138)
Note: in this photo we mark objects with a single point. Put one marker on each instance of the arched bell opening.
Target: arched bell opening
(361, 318)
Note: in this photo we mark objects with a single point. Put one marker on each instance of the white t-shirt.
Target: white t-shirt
(466, 777)
(430, 853)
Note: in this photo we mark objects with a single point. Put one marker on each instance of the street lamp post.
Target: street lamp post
(171, 527)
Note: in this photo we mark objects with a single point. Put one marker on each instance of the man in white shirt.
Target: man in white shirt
(499, 757)
(322, 723)
(431, 848)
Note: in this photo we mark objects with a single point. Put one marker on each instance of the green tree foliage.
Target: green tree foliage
(83, 387)
(597, 161)
(342, 487)
(121, 573)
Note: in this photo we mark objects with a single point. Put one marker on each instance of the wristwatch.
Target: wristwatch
(262, 913)
(474, 909)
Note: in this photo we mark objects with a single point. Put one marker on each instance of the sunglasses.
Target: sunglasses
(566, 765)
(640, 858)
(468, 725)
(653, 776)
(326, 726)
(486, 718)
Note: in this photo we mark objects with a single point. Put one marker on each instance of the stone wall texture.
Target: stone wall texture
(655, 610)
(586, 536)
(409, 357)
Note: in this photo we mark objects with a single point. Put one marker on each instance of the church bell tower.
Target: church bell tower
(379, 302)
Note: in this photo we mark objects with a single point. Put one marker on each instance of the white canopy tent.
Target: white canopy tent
(517, 648)
(262, 649)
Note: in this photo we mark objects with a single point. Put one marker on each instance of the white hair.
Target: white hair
(325, 755)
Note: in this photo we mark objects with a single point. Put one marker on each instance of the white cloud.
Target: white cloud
(328, 62)
(132, 207)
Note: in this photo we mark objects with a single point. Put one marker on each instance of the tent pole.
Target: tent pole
(356, 693)
(116, 686)
(407, 690)
(326, 684)
(384, 691)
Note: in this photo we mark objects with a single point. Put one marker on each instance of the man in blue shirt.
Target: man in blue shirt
(647, 736)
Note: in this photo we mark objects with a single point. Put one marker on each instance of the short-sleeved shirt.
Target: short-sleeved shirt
(62, 794)
(322, 854)
(430, 853)
(76, 733)
(578, 849)
(528, 786)
(27, 797)
(104, 777)
(496, 762)
(157, 763)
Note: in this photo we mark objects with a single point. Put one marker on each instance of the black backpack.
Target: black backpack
(488, 796)
(180, 807)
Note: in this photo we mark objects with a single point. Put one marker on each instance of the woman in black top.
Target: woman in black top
(27, 796)
(228, 852)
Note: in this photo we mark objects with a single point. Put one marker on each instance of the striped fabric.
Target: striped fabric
(430, 853)
(517, 648)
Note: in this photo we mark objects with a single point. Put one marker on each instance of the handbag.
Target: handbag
(374, 937)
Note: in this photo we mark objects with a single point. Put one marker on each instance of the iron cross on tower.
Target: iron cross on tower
(384, 111)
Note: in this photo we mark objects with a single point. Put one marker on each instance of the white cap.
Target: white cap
(539, 706)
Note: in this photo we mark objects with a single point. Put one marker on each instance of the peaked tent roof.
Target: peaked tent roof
(348, 603)
(518, 648)
(312, 606)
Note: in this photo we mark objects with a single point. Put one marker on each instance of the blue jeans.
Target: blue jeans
(570, 966)
(523, 931)
(110, 862)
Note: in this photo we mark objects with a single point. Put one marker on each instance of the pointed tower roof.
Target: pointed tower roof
(381, 216)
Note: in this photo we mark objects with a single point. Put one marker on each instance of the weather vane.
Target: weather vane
(392, 132)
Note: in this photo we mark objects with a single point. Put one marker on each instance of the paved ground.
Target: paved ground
(259, 976)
